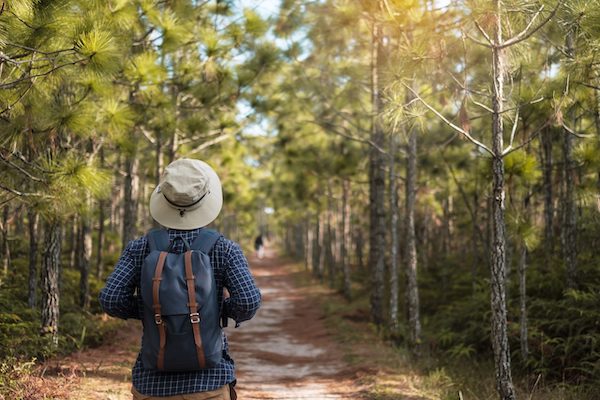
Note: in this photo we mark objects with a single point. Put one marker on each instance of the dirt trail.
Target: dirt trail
(285, 352)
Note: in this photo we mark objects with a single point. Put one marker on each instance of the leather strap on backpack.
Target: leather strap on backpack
(160, 363)
(194, 315)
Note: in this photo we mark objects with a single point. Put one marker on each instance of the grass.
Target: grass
(384, 371)
(389, 372)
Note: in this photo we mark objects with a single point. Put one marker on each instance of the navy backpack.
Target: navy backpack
(181, 319)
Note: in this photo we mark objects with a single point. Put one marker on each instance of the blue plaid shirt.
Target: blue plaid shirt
(119, 299)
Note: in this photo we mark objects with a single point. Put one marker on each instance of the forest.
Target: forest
(435, 163)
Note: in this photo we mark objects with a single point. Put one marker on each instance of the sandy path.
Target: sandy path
(285, 352)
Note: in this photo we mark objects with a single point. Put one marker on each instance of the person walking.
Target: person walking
(259, 246)
(188, 198)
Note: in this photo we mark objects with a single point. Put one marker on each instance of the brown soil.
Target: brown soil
(285, 352)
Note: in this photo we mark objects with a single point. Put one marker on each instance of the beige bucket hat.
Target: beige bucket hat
(189, 195)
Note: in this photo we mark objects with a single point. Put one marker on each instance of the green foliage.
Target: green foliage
(73, 181)
(101, 50)
(20, 337)
(524, 230)
(117, 117)
(565, 340)
(522, 166)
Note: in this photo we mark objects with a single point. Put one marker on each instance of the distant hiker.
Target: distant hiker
(259, 246)
(184, 352)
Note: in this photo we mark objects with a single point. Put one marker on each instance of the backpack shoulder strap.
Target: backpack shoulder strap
(158, 239)
(205, 240)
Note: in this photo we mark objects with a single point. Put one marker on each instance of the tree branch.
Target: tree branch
(527, 32)
(331, 128)
(210, 143)
(46, 53)
(485, 35)
(12, 84)
(466, 134)
(20, 169)
(513, 132)
(507, 151)
(577, 135)
(21, 96)
(20, 194)
(477, 41)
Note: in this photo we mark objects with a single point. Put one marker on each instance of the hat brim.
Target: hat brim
(207, 212)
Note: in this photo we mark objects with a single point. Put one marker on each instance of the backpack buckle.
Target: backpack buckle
(157, 319)
(195, 318)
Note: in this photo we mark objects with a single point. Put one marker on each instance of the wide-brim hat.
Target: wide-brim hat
(189, 195)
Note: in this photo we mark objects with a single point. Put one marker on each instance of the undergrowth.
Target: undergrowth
(456, 360)
(23, 347)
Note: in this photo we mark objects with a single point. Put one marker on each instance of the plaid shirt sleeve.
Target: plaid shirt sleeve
(245, 297)
(118, 298)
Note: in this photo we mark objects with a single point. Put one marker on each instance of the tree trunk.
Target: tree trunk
(50, 280)
(33, 219)
(412, 288)
(322, 250)
(447, 210)
(84, 262)
(174, 140)
(101, 218)
(597, 124)
(159, 158)
(345, 239)
(359, 244)
(500, 344)
(130, 187)
(569, 236)
(316, 247)
(5, 245)
(377, 182)
(475, 238)
(308, 243)
(394, 232)
(100, 242)
(329, 244)
(116, 200)
(546, 142)
(299, 240)
(71, 237)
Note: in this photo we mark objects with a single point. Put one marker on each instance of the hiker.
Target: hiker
(259, 246)
(184, 352)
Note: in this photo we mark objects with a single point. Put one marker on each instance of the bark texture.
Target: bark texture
(345, 240)
(84, 256)
(100, 241)
(5, 245)
(569, 213)
(377, 183)
(394, 232)
(412, 288)
(500, 344)
(129, 200)
(546, 141)
(50, 280)
(316, 248)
